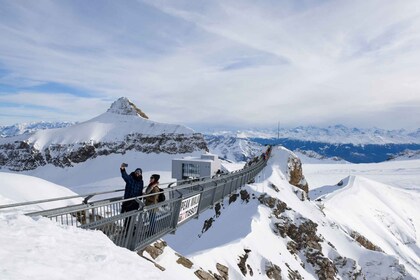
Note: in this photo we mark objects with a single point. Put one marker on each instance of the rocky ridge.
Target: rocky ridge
(122, 128)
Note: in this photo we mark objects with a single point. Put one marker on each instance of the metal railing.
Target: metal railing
(138, 228)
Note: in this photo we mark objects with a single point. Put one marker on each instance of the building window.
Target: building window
(190, 170)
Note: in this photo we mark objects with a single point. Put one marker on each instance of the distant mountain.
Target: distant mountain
(335, 142)
(337, 134)
(232, 148)
(406, 155)
(28, 128)
(122, 128)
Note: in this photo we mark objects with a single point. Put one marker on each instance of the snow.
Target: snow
(380, 201)
(120, 120)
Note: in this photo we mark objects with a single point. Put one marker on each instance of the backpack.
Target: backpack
(161, 196)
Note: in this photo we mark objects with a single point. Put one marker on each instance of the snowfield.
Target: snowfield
(379, 201)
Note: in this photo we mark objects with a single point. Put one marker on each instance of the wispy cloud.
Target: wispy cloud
(216, 62)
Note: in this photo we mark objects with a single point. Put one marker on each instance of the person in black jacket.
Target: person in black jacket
(133, 188)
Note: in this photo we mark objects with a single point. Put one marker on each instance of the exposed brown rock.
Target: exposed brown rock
(160, 244)
(185, 262)
(267, 200)
(277, 205)
(153, 251)
(364, 242)
(139, 112)
(223, 270)
(272, 271)
(296, 177)
(203, 275)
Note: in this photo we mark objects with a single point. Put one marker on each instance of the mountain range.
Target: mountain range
(336, 134)
(349, 144)
(342, 143)
(351, 221)
(122, 128)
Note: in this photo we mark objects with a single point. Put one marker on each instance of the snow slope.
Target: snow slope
(45, 248)
(121, 119)
(249, 226)
(387, 216)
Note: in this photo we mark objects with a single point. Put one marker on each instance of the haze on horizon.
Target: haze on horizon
(213, 63)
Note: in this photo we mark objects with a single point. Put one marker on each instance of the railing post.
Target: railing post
(214, 194)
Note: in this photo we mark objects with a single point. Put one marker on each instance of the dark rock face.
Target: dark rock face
(243, 265)
(233, 197)
(245, 196)
(21, 155)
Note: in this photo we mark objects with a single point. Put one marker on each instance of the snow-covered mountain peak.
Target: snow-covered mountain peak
(123, 106)
(114, 132)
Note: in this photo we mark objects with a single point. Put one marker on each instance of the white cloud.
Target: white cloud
(245, 63)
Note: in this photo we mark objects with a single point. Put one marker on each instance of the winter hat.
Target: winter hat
(156, 177)
(138, 169)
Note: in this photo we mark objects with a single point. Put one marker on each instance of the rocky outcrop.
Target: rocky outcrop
(272, 271)
(123, 106)
(184, 261)
(124, 127)
(154, 250)
(304, 242)
(363, 241)
(243, 266)
(223, 273)
(21, 155)
(296, 177)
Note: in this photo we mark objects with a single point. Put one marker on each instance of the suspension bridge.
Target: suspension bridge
(134, 230)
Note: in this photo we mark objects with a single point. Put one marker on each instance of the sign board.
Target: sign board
(189, 207)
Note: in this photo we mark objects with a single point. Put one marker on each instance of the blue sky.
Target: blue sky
(213, 64)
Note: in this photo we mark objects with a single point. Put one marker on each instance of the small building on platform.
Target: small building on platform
(195, 167)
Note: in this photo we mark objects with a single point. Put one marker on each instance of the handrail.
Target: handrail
(87, 196)
(54, 199)
(137, 228)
